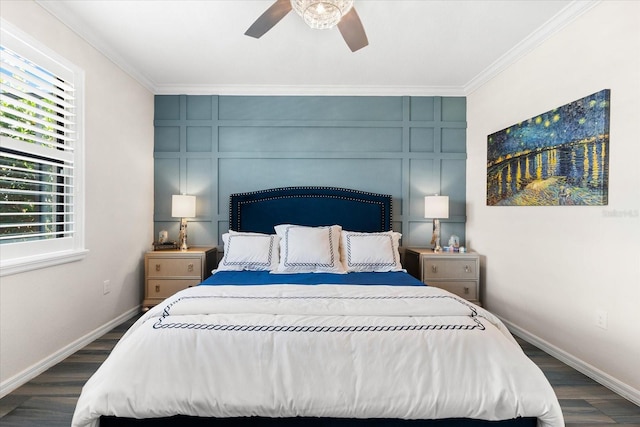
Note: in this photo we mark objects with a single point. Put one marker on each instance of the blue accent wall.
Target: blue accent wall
(212, 146)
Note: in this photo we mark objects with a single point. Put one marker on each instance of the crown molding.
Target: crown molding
(319, 90)
(563, 18)
(544, 32)
(64, 15)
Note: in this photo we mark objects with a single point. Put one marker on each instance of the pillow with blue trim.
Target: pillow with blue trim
(249, 251)
(309, 249)
(370, 252)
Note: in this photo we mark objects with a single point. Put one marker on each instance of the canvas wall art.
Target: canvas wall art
(560, 157)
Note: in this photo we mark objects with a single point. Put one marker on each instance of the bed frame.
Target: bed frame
(180, 421)
(354, 210)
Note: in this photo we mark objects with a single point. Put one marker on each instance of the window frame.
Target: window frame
(17, 257)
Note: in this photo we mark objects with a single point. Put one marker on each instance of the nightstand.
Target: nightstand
(169, 271)
(458, 273)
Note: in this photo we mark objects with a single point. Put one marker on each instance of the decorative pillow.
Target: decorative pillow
(249, 251)
(309, 249)
(372, 252)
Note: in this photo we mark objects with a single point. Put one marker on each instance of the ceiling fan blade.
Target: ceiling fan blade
(269, 18)
(352, 30)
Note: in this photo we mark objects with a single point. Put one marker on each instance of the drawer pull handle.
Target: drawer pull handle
(466, 290)
(157, 267)
(190, 267)
(157, 288)
(434, 268)
(467, 269)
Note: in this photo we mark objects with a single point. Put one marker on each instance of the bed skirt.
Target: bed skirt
(179, 420)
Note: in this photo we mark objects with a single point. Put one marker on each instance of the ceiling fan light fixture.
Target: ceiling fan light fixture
(322, 14)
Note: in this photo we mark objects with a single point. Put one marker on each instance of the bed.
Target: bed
(311, 320)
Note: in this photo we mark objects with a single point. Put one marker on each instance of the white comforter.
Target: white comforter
(325, 351)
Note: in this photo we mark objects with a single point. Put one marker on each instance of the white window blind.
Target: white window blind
(40, 202)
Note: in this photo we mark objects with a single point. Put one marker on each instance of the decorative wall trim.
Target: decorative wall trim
(88, 34)
(535, 39)
(613, 384)
(212, 146)
(337, 90)
(33, 371)
(555, 24)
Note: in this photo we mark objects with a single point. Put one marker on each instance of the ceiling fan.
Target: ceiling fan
(318, 14)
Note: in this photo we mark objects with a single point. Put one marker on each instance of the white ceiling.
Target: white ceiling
(415, 47)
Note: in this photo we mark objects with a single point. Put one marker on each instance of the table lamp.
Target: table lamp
(436, 207)
(183, 207)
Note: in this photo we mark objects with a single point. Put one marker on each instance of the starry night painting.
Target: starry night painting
(560, 157)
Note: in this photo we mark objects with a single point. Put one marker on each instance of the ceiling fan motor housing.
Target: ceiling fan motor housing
(320, 14)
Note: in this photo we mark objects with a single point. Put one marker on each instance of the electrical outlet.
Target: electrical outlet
(601, 318)
(106, 287)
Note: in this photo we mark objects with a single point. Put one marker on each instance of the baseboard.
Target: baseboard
(33, 371)
(579, 365)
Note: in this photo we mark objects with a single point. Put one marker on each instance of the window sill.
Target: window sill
(22, 265)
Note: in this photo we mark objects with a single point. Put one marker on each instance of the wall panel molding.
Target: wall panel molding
(212, 146)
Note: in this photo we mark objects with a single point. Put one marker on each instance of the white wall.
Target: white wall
(548, 269)
(45, 313)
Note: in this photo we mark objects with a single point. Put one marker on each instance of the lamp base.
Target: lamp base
(183, 235)
(435, 237)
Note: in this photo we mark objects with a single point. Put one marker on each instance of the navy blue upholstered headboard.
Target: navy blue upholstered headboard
(354, 210)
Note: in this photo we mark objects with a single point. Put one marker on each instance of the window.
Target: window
(41, 202)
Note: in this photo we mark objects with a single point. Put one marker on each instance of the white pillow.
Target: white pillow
(309, 249)
(249, 251)
(373, 252)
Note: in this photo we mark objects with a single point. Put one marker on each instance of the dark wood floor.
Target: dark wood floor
(49, 399)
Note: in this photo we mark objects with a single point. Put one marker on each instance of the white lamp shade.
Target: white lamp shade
(183, 206)
(436, 207)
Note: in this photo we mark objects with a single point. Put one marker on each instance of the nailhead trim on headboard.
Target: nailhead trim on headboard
(352, 195)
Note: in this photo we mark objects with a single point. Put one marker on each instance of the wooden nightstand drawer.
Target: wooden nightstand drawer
(166, 287)
(458, 273)
(466, 290)
(169, 271)
(452, 269)
(174, 267)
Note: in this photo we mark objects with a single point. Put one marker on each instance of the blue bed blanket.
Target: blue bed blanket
(396, 278)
